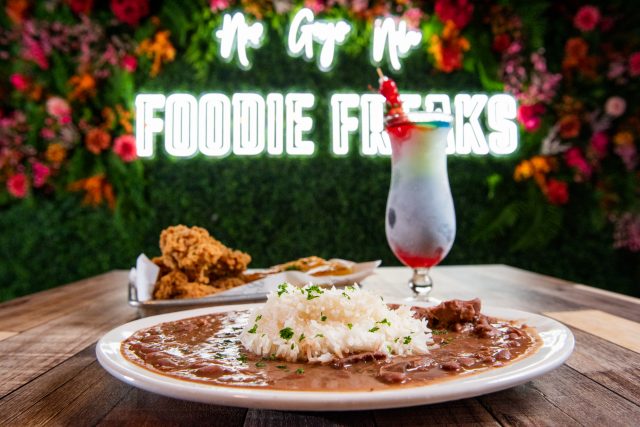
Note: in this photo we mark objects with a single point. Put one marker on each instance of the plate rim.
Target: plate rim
(553, 354)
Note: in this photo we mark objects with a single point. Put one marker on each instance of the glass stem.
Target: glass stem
(421, 283)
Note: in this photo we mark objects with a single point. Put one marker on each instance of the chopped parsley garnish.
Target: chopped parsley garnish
(292, 346)
(389, 349)
(254, 329)
(313, 291)
(286, 333)
(439, 331)
(301, 337)
(446, 342)
(407, 339)
(272, 357)
(299, 371)
(242, 358)
(351, 288)
(219, 356)
(282, 289)
(281, 366)
(384, 322)
(292, 268)
(323, 317)
(260, 365)
(375, 328)
(258, 317)
(344, 294)
(350, 325)
(396, 340)
(319, 335)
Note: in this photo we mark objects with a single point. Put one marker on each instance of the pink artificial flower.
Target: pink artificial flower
(129, 63)
(59, 108)
(615, 106)
(634, 64)
(458, 11)
(530, 116)
(47, 133)
(19, 81)
(587, 18)
(616, 69)
(576, 160)
(413, 17)
(33, 51)
(599, 144)
(130, 11)
(18, 185)
(316, 6)
(125, 147)
(628, 154)
(218, 5)
(359, 6)
(41, 173)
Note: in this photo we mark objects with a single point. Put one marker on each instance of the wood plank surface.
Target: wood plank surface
(49, 374)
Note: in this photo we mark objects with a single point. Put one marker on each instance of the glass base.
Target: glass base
(421, 284)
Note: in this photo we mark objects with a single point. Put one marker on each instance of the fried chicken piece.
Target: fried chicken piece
(233, 263)
(225, 283)
(176, 285)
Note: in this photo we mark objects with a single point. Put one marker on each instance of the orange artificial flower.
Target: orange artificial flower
(17, 10)
(536, 167)
(56, 153)
(623, 138)
(124, 119)
(84, 86)
(97, 189)
(159, 50)
(541, 164)
(97, 140)
(523, 171)
(575, 50)
(448, 49)
(109, 117)
(569, 126)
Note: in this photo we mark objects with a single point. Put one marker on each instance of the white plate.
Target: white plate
(557, 345)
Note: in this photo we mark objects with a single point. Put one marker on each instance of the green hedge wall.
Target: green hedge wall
(277, 209)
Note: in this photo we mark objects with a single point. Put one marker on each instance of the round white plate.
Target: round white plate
(557, 345)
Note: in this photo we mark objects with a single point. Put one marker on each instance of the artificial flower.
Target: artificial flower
(41, 173)
(58, 108)
(627, 231)
(623, 138)
(569, 126)
(124, 118)
(459, 12)
(219, 5)
(130, 11)
(19, 81)
(125, 147)
(129, 63)
(84, 87)
(33, 50)
(599, 143)
(316, 6)
(80, 6)
(412, 17)
(574, 159)
(576, 50)
(634, 64)
(97, 140)
(541, 164)
(530, 116)
(557, 192)
(615, 106)
(18, 185)
(448, 49)
(56, 153)
(501, 42)
(628, 154)
(97, 190)
(159, 50)
(17, 10)
(587, 18)
(523, 171)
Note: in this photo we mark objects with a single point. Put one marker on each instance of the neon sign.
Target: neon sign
(249, 124)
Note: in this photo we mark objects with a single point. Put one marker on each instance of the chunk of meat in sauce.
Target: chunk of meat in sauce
(359, 357)
(455, 315)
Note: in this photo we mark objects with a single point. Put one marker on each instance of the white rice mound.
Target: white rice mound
(319, 325)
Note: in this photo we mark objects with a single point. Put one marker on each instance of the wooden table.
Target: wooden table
(49, 373)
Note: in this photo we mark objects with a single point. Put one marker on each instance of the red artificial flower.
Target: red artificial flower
(576, 160)
(587, 18)
(501, 43)
(530, 116)
(80, 6)
(557, 192)
(20, 82)
(130, 11)
(125, 147)
(41, 173)
(18, 185)
(569, 126)
(459, 12)
(129, 63)
(634, 64)
(17, 10)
